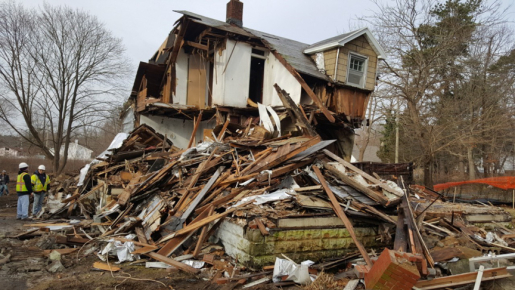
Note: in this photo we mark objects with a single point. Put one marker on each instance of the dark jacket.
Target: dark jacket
(28, 184)
(4, 179)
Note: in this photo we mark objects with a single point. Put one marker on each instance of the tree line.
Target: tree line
(62, 75)
(448, 85)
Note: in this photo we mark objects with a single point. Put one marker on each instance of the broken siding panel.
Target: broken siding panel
(276, 73)
(353, 103)
(231, 88)
(181, 72)
(177, 130)
(237, 74)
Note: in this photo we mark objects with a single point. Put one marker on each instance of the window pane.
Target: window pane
(356, 63)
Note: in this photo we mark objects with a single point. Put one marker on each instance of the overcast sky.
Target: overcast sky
(144, 24)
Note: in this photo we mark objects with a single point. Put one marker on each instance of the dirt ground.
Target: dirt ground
(27, 268)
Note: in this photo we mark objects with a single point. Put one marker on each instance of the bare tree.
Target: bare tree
(429, 66)
(63, 69)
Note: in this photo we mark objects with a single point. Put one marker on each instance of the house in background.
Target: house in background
(76, 152)
(8, 152)
(218, 71)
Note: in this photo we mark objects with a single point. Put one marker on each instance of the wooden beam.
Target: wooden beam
(196, 45)
(280, 159)
(261, 227)
(303, 84)
(203, 235)
(365, 175)
(199, 224)
(299, 115)
(339, 212)
(199, 118)
(172, 262)
(222, 132)
(374, 195)
(462, 279)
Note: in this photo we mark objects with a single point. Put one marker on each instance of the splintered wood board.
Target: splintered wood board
(105, 267)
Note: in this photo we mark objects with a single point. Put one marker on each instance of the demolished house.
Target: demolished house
(266, 196)
(210, 71)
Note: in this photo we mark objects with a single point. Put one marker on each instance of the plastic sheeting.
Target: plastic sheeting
(122, 250)
(115, 144)
(297, 273)
(264, 198)
(504, 182)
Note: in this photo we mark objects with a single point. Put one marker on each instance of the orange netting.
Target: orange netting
(504, 182)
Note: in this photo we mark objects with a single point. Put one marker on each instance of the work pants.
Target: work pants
(38, 202)
(22, 211)
(3, 188)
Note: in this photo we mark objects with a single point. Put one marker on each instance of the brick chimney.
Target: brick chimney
(235, 12)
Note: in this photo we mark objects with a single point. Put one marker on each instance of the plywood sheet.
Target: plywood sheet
(196, 82)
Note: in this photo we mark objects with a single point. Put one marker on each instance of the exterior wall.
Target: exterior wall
(231, 88)
(8, 152)
(360, 46)
(181, 74)
(77, 152)
(128, 121)
(177, 130)
(275, 72)
(330, 61)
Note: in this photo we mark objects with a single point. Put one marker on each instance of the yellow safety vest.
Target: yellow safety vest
(38, 187)
(20, 184)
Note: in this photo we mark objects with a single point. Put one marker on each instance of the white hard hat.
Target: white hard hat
(42, 167)
(23, 165)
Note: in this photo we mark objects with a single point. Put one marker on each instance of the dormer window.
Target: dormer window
(357, 70)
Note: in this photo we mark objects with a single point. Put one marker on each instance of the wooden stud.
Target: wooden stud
(339, 212)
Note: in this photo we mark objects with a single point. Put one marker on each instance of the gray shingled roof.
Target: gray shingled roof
(291, 50)
(337, 38)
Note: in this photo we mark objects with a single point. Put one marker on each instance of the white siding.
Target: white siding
(275, 72)
(177, 130)
(128, 121)
(232, 87)
(181, 71)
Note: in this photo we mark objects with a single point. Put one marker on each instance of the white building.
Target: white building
(76, 151)
(8, 152)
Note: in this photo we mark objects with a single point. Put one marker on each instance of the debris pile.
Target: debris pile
(250, 208)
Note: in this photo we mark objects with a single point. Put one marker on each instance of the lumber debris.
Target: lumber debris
(172, 206)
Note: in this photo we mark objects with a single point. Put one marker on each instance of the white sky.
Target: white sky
(144, 24)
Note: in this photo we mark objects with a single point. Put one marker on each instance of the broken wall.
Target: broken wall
(177, 130)
(181, 74)
(231, 78)
(276, 73)
(232, 75)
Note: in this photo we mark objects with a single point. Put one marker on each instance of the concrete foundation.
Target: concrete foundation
(311, 238)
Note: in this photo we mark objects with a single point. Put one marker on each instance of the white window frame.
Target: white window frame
(365, 69)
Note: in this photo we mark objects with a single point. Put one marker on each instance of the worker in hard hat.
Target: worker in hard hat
(40, 184)
(24, 190)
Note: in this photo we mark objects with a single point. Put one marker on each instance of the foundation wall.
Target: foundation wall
(253, 249)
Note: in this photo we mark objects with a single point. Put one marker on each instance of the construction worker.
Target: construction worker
(4, 183)
(24, 190)
(40, 184)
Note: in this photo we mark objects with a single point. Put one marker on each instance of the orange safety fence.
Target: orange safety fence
(504, 182)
